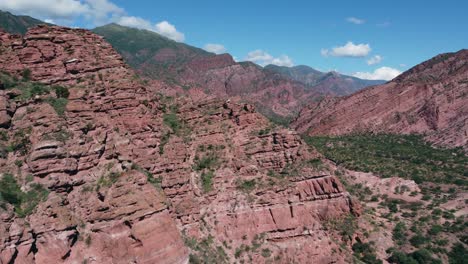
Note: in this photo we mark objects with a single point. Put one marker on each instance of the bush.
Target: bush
(246, 185)
(207, 181)
(23, 202)
(399, 257)
(418, 240)
(423, 256)
(207, 162)
(7, 81)
(26, 74)
(59, 104)
(458, 254)
(399, 233)
(365, 252)
(435, 229)
(172, 121)
(61, 91)
(266, 252)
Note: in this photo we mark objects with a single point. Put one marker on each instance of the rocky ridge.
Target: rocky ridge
(134, 176)
(429, 99)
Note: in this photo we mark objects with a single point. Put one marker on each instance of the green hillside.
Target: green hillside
(17, 24)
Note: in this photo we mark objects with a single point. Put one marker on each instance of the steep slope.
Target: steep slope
(195, 71)
(331, 83)
(148, 52)
(429, 99)
(100, 167)
(17, 24)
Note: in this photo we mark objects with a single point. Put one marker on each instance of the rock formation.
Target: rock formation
(135, 176)
(429, 99)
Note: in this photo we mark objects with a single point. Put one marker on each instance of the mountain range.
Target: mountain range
(278, 91)
(118, 145)
(428, 99)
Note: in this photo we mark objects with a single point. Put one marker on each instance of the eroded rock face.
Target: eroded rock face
(133, 174)
(430, 99)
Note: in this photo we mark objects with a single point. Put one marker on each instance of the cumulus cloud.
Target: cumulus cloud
(382, 73)
(374, 60)
(263, 58)
(348, 50)
(355, 20)
(164, 28)
(167, 29)
(96, 12)
(215, 48)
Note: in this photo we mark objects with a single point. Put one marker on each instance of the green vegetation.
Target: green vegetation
(17, 24)
(407, 156)
(399, 233)
(30, 90)
(164, 140)
(207, 180)
(171, 120)
(458, 254)
(205, 251)
(149, 43)
(207, 165)
(420, 256)
(246, 185)
(208, 161)
(61, 91)
(365, 252)
(26, 74)
(23, 202)
(59, 104)
(346, 226)
(266, 253)
(441, 174)
(108, 180)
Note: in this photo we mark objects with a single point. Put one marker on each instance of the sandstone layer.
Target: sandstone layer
(135, 176)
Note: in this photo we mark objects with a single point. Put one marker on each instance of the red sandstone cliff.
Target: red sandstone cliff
(135, 177)
(429, 99)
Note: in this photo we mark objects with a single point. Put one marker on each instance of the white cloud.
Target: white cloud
(374, 60)
(164, 28)
(355, 20)
(263, 58)
(167, 29)
(96, 12)
(382, 73)
(215, 48)
(348, 50)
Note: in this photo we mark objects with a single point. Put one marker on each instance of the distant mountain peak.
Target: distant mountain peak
(17, 24)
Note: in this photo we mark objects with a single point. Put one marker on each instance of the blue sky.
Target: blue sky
(330, 35)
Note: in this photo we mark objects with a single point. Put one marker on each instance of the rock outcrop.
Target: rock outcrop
(134, 176)
(429, 99)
